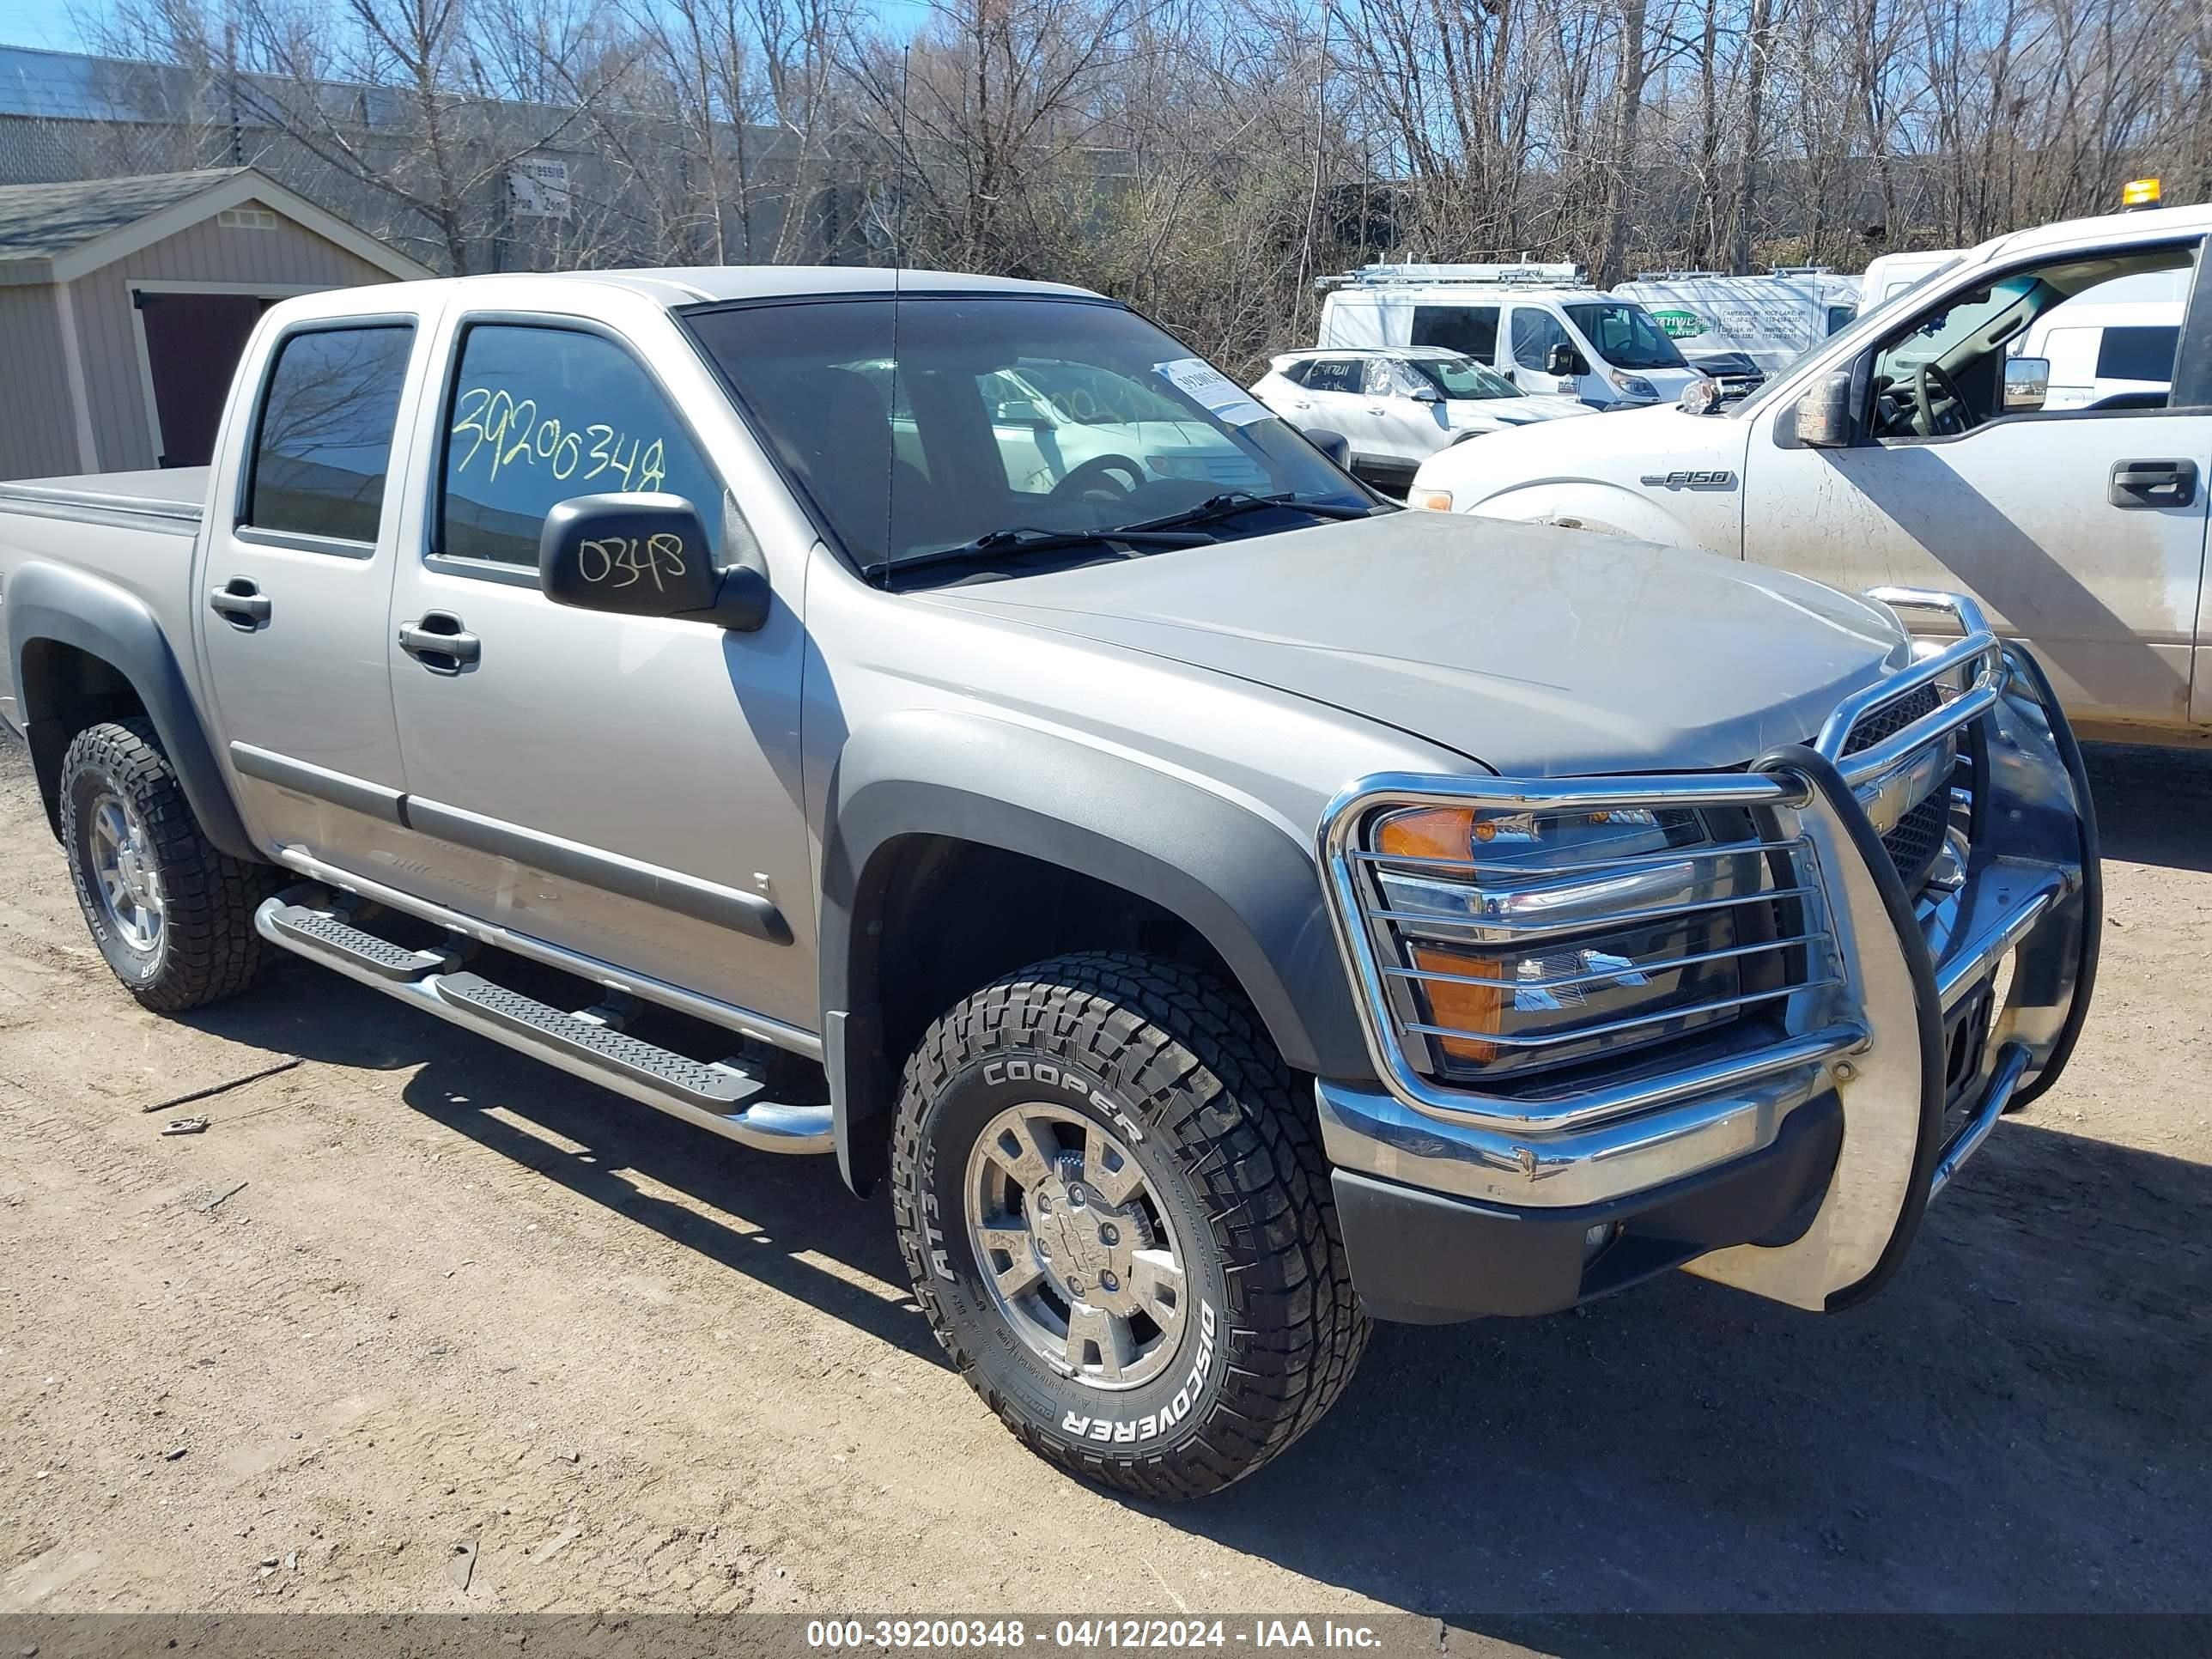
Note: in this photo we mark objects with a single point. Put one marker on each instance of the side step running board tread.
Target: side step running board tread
(720, 1097)
(710, 1088)
(324, 935)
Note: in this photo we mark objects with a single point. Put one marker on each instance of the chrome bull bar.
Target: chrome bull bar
(1872, 1033)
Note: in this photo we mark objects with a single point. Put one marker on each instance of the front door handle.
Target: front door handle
(242, 602)
(439, 643)
(2153, 483)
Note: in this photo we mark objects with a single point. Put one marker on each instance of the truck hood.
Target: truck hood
(1536, 651)
(1497, 413)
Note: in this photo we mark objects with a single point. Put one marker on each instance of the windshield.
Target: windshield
(1462, 377)
(930, 423)
(1625, 335)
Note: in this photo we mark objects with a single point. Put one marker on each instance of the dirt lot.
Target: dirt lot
(448, 1297)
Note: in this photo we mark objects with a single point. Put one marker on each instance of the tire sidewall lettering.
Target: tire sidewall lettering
(1166, 1410)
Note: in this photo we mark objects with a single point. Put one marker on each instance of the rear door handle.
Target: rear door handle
(242, 602)
(439, 643)
(2153, 483)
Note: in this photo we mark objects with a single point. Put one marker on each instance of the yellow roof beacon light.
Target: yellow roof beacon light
(2138, 193)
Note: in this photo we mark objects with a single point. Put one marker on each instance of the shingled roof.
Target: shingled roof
(57, 233)
(45, 222)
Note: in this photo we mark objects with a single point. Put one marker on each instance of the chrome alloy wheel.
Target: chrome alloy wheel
(1075, 1245)
(121, 854)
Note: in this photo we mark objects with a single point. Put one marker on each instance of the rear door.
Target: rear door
(2080, 530)
(1336, 394)
(296, 583)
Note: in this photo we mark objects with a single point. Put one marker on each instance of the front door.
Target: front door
(2081, 531)
(626, 787)
(291, 603)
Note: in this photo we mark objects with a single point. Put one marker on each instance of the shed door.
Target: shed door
(193, 341)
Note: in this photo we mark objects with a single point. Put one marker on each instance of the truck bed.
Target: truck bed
(171, 499)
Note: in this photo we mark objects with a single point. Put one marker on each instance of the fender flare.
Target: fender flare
(1244, 884)
(52, 603)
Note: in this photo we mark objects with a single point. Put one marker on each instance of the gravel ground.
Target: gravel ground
(418, 1324)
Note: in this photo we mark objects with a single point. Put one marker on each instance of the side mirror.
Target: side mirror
(2026, 384)
(1334, 444)
(1823, 414)
(643, 555)
(1018, 411)
(1564, 360)
(1425, 394)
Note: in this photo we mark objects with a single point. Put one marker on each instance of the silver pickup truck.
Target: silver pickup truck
(1224, 910)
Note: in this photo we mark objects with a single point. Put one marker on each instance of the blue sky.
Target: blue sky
(39, 23)
(50, 23)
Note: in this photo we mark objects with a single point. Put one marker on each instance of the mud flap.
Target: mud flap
(1892, 1091)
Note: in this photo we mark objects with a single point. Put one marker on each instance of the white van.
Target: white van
(1542, 326)
(1892, 274)
(2113, 348)
(1741, 329)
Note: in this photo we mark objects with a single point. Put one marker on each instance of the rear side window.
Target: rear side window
(1472, 329)
(1339, 374)
(1295, 373)
(323, 444)
(2137, 354)
(542, 415)
(1534, 333)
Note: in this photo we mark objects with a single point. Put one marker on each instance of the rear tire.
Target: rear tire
(173, 914)
(1118, 1222)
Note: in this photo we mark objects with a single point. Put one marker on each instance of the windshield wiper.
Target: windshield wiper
(1023, 539)
(1230, 502)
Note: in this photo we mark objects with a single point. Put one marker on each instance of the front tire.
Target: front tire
(173, 914)
(1118, 1222)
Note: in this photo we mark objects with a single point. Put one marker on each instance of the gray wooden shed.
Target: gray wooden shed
(124, 303)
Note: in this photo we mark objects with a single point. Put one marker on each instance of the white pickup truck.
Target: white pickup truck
(1922, 446)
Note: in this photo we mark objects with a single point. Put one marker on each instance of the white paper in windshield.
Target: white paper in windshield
(1213, 390)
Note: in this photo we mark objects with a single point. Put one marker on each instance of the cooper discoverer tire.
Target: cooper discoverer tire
(172, 914)
(1118, 1222)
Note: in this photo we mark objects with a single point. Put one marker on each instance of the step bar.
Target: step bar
(723, 1097)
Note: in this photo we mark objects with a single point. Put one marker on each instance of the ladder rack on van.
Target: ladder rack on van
(1560, 274)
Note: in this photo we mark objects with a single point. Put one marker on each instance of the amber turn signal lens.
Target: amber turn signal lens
(1436, 832)
(1435, 500)
(1465, 1007)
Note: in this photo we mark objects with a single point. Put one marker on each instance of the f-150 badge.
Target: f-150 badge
(1689, 480)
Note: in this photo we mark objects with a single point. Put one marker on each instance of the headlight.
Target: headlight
(1526, 941)
(1633, 385)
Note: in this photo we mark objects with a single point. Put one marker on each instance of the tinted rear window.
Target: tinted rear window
(1469, 330)
(323, 441)
(2137, 354)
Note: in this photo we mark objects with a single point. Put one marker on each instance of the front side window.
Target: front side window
(1138, 429)
(1471, 331)
(1534, 333)
(322, 446)
(1624, 334)
(541, 415)
(1940, 373)
(1462, 377)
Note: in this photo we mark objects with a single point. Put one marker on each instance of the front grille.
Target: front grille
(1565, 963)
(1914, 840)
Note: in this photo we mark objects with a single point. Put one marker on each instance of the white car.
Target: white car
(1397, 406)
